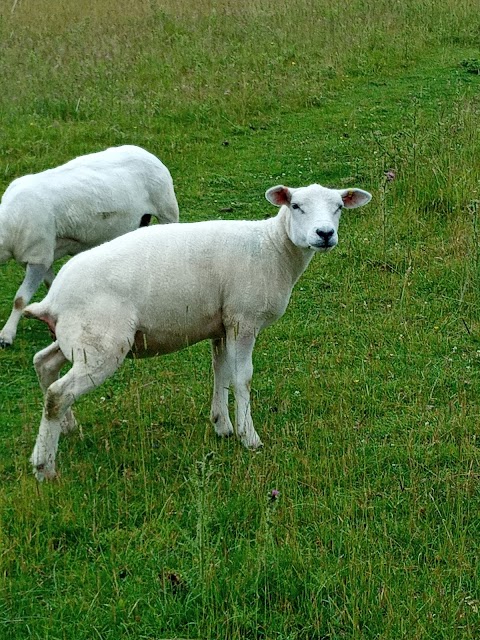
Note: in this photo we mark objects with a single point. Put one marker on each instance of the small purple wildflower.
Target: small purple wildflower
(274, 494)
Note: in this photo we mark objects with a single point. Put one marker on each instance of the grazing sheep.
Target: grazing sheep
(77, 206)
(158, 290)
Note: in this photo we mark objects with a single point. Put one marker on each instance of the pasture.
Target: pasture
(359, 519)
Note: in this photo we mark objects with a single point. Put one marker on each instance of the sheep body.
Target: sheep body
(183, 286)
(76, 206)
(161, 289)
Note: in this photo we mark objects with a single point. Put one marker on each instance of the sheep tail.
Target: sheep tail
(38, 311)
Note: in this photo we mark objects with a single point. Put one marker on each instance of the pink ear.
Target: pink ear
(353, 198)
(279, 195)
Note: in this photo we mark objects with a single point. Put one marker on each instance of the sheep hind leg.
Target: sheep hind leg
(47, 364)
(86, 374)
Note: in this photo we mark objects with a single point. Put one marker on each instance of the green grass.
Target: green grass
(366, 394)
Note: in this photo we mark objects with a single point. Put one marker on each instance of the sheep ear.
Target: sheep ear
(279, 195)
(353, 198)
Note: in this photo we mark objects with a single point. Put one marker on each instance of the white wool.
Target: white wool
(77, 206)
(161, 289)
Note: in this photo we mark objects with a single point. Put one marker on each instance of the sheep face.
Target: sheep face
(314, 212)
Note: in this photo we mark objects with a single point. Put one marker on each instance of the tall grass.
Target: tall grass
(365, 394)
(216, 60)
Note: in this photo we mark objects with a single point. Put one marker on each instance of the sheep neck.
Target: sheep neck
(292, 260)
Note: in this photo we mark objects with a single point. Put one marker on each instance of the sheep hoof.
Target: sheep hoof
(253, 444)
(5, 343)
(42, 472)
(225, 434)
(224, 431)
(223, 428)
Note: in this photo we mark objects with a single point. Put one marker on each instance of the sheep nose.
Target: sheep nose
(324, 235)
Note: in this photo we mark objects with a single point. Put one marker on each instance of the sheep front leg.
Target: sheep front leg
(234, 362)
(34, 275)
(221, 383)
(242, 378)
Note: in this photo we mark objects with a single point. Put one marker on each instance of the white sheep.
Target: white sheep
(77, 206)
(158, 290)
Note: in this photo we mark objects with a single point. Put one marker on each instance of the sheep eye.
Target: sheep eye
(295, 206)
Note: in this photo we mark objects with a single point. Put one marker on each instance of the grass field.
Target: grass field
(366, 394)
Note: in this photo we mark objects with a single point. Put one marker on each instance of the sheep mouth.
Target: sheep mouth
(323, 247)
